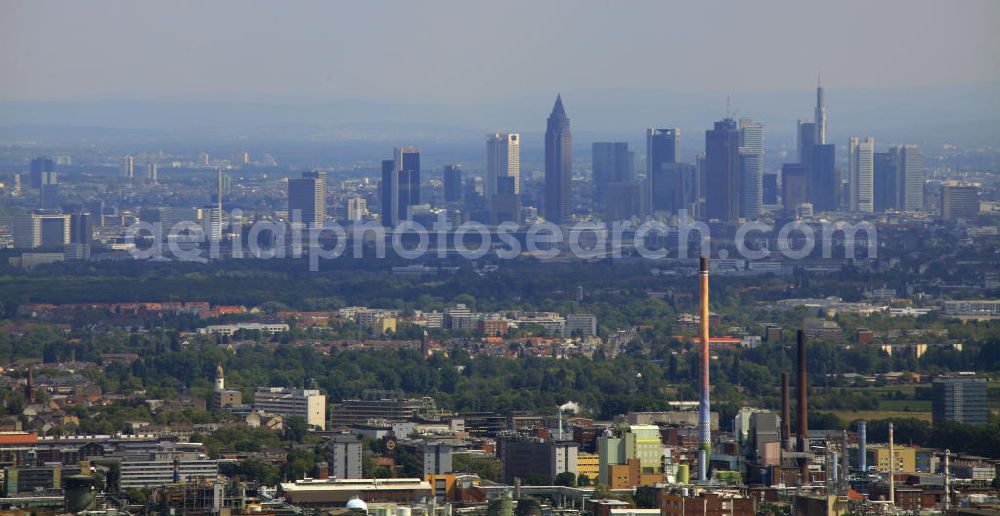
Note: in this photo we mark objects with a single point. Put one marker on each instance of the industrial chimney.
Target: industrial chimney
(704, 408)
(892, 468)
(786, 414)
(803, 440)
(863, 447)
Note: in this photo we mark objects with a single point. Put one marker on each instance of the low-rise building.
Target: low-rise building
(307, 404)
(230, 329)
(327, 492)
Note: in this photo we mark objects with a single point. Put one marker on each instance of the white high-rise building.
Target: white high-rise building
(861, 166)
(211, 223)
(128, 167)
(152, 171)
(752, 167)
(503, 159)
(357, 207)
(909, 162)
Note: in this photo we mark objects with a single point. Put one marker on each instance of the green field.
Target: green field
(905, 405)
(848, 416)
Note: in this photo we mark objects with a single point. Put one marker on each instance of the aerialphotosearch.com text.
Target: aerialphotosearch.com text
(652, 239)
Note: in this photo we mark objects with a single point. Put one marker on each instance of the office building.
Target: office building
(357, 208)
(387, 198)
(880, 457)
(503, 159)
(722, 171)
(884, 182)
(820, 117)
(307, 198)
(751, 152)
(344, 456)
(307, 404)
(40, 168)
(805, 135)
(662, 148)
(406, 162)
(959, 200)
(400, 186)
(436, 458)
(611, 163)
(769, 189)
(959, 399)
(622, 201)
(128, 167)
(157, 469)
(558, 165)
(672, 188)
(634, 458)
(861, 174)
(152, 172)
(46, 180)
(356, 412)
(823, 186)
(793, 186)
(909, 162)
(532, 457)
(211, 222)
(506, 203)
(473, 201)
(580, 325)
(340, 492)
(453, 184)
(48, 196)
(42, 230)
(82, 228)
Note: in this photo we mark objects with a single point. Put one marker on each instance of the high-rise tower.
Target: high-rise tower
(128, 167)
(453, 184)
(820, 116)
(307, 196)
(612, 162)
(406, 162)
(722, 169)
(662, 149)
(751, 167)
(400, 186)
(861, 166)
(503, 159)
(558, 165)
(40, 169)
(909, 163)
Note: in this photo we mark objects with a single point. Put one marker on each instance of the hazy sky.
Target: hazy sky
(422, 50)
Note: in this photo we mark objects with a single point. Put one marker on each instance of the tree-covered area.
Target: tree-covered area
(657, 367)
(981, 440)
(645, 377)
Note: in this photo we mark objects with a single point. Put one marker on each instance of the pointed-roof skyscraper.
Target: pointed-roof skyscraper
(820, 115)
(558, 165)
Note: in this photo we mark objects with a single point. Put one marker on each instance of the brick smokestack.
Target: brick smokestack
(786, 413)
(803, 440)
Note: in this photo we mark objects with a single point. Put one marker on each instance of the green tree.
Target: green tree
(566, 478)
(295, 429)
(645, 497)
(528, 507)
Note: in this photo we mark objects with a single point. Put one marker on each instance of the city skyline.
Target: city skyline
(555, 258)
